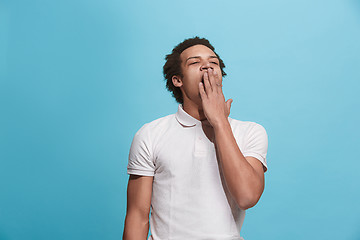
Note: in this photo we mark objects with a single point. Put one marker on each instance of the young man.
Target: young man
(198, 170)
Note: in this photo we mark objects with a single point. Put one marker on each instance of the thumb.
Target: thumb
(228, 104)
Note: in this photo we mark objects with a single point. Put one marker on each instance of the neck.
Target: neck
(194, 110)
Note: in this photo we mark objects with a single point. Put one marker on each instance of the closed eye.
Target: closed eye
(215, 63)
(193, 63)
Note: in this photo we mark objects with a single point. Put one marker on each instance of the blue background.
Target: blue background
(78, 78)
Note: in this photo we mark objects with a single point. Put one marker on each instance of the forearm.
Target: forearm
(241, 178)
(136, 228)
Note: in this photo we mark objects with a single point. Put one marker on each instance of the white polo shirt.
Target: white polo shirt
(190, 199)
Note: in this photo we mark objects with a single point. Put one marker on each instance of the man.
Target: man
(198, 170)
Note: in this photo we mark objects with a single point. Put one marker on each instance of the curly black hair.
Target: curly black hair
(172, 65)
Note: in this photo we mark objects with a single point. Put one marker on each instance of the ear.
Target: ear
(176, 81)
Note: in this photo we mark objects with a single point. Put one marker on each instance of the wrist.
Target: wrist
(221, 123)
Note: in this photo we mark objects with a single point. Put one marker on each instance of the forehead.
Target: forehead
(196, 50)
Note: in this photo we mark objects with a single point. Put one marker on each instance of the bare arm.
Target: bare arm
(138, 207)
(244, 176)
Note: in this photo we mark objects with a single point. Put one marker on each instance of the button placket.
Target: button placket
(201, 145)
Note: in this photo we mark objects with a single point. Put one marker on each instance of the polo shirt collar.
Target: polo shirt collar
(184, 118)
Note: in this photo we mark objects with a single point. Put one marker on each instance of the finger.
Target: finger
(203, 94)
(228, 105)
(217, 81)
(212, 79)
(207, 84)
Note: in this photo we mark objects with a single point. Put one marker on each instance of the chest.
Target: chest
(180, 152)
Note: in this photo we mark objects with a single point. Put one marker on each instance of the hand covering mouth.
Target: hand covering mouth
(202, 79)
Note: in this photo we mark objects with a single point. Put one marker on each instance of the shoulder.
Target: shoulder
(249, 132)
(245, 126)
(145, 137)
(254, 139)
(156, 125)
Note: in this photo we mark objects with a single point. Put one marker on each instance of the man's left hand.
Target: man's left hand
(215, 108)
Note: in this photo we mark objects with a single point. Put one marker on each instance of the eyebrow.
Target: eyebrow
(200, 57)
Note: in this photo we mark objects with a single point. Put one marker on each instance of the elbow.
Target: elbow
(246, 205)
(247, 202)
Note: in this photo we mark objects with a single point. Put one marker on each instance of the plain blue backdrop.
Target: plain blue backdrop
(78, 78)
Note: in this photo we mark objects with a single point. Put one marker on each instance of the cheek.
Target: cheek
(218, 69)
(192, 76)
(218, 72)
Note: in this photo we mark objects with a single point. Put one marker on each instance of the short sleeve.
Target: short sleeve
(141, 155)
(257, 144)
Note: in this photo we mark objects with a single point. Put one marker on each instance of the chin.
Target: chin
(194, 101)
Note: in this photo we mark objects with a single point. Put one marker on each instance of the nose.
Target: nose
(205, 66)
